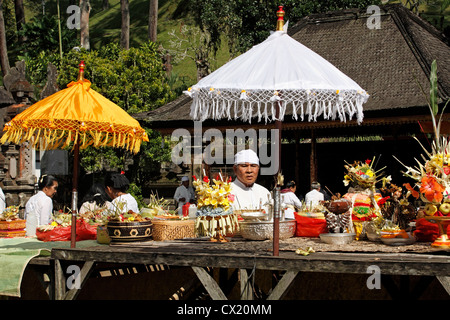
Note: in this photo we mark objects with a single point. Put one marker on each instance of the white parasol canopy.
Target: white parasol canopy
(280, 69)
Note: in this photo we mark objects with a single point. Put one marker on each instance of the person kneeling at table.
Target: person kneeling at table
(289, 200)
(39, 208)
(116, 186)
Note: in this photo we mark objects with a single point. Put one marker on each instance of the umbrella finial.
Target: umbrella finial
(280, 21)
(81, 72)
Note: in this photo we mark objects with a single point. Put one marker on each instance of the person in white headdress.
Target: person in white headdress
(248, 195)
(184, 193)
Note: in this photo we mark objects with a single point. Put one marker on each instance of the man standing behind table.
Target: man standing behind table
(314, 197)
(248, 194)
(184, 193)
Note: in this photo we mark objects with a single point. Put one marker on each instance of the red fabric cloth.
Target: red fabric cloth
(84, 231)
(427, 231)
(310, 227)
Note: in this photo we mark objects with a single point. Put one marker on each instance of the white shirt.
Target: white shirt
(250, 197)
(289, 200)
(2, 201)
(313, 197)
(130, 203)
(92, 206)
(183, 192)
(42, 205)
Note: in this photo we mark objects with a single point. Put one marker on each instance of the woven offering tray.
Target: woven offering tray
(172, 229)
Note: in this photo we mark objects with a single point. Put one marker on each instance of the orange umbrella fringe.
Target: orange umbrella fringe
(53, 139)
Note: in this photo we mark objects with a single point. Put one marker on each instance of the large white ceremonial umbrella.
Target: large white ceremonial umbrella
(277, 74)
(280, 69)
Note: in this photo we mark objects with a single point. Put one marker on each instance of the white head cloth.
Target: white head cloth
(184, 179)
(246, 156)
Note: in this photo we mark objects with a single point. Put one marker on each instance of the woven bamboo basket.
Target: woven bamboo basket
(173, 229)
(13, 225)
(124, 231)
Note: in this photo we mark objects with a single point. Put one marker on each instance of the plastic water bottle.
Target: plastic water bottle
(192, 211)
(31, 224)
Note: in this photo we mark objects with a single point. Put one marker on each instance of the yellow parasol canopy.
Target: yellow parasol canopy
(77, 113)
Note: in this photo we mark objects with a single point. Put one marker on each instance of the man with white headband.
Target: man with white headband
(184, 193)
(248, 194)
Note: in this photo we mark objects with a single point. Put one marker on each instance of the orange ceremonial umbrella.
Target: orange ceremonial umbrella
(78, 115)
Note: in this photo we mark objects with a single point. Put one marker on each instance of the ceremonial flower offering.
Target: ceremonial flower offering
(366, 213)
(362, 174)
(96, 216)
(60, 228)
(59, 219)
(120, 214)
(215, 198)
(10, 213)
(215, 217)
(10, 223)
(433, 176)
(157, 207)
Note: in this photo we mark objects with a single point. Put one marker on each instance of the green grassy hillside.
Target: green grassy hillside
(172, 14)
(105, 25)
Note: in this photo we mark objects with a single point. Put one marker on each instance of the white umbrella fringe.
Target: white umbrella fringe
(218, 104)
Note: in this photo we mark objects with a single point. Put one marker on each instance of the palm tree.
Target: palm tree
(153, 20)
(4, 61)
(20, 17)
(125, 34)
(85, 9)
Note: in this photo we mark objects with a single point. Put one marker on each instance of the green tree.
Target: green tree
(247, 22)
(41, 46)
(134, 79)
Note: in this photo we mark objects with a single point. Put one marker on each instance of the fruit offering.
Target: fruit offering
(445, 208)
(433, 210)
(430, 209)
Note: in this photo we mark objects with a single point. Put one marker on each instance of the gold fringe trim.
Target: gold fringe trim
(54, 139)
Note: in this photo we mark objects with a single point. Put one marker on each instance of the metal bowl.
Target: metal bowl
(337, 238)
(399, 241)
(249, 215)
(263, 230)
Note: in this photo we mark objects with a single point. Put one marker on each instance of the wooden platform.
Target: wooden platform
(247, 256)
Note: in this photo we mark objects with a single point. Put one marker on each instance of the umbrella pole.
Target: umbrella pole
(76, 153)
(277, 204)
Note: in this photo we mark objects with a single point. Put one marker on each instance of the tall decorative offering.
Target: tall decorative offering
(215, 217)
(433, 176)
(362, 178)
